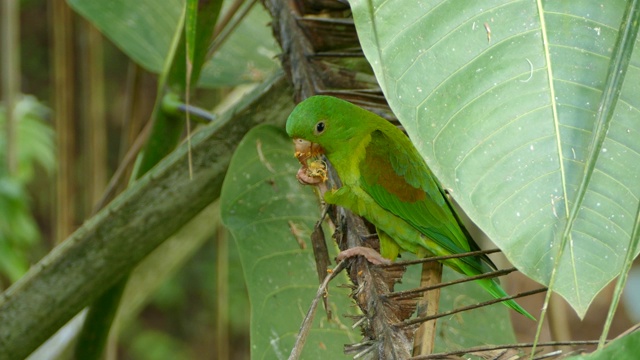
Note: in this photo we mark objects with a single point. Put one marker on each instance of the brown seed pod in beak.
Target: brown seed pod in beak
(306, 149)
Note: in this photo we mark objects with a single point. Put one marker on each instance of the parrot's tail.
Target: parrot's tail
(494, 289)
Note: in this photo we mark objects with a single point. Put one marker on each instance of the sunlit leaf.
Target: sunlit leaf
(500, 97)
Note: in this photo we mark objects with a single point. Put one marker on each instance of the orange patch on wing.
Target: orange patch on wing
(377, 169)
(396, 184)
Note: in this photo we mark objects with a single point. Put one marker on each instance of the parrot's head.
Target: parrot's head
(323, 125)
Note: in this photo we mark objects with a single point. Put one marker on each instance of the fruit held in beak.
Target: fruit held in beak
(315, 173)
(312, 173)
(306, 149)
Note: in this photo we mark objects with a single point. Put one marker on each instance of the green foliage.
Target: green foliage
(501, 98)
(182, 64)
(248, 55)
(183, 307)
(34, 137)
(509, 101)
(35, 148)
(155, 345)
(18, 230)
(144, 30)
(624, 348)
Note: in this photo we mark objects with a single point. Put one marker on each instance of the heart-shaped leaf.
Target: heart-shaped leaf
(501, 97)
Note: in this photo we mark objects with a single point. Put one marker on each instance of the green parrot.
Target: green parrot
(385, 180)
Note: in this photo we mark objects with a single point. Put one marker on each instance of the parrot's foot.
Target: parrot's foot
(371, 255)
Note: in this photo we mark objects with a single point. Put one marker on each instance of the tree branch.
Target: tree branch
(113, 242)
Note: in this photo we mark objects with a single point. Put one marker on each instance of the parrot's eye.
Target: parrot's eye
(319, 127)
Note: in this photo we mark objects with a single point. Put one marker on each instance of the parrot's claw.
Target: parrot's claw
(371, 255)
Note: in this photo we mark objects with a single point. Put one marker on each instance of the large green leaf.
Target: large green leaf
(626, 347)
(144, 30)
(261, 203)
(500, 97)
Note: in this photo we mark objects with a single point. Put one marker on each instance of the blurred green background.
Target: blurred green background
(105, 97)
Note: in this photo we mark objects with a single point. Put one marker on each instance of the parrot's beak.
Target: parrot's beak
(314, 172)
(306, 149)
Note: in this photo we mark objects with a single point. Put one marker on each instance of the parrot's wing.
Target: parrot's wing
(396, 177)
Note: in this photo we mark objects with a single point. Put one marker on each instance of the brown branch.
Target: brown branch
(308, 319)
(221, 34)
(425, 336)
(414, 292)
(307, 42)
(372, 284)
(335, 54)
(120, 172)
(444, 257)
(477, 349)
(630, 330)
(419, 320)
